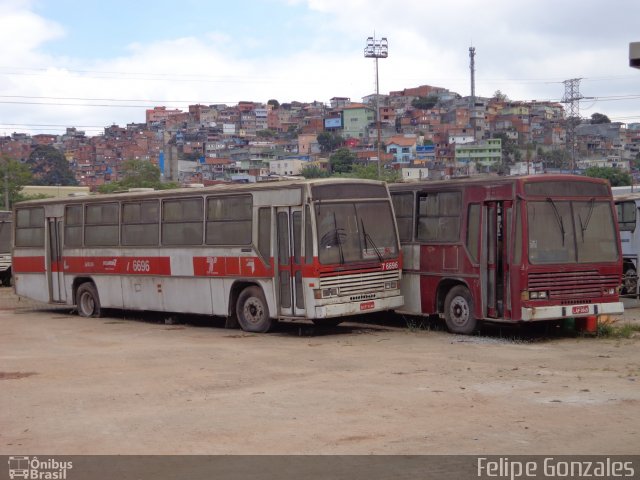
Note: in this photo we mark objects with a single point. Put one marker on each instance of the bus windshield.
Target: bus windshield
(562, 231)
(355, 231)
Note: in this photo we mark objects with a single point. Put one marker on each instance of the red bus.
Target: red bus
(508, 249)
(319, 250)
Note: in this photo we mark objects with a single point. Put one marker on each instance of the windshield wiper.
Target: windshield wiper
(368, 238)
(558, 218)
(586, 223)
(338, 240)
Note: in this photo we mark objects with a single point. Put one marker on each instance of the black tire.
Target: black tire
(458, 311)
(88, 301)
(252, 311)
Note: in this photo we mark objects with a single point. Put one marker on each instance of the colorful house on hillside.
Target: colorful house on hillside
(403, 148)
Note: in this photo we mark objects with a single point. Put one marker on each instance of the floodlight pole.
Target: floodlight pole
(377, 49)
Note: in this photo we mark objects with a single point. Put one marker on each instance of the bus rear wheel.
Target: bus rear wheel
(458, 311)
(87, 300)
(252, 311)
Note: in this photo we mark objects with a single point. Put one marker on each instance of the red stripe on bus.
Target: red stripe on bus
(118, 265)
(231, 266)
(28, 264)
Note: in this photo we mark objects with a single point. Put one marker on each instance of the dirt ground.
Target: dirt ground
(132, 384)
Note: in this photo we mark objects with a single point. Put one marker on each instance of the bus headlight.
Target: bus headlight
(609, 291)
(320, 293)
(393, 285)
(537, 295)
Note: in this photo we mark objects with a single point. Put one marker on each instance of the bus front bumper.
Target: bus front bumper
(357, 308)
(569, 311)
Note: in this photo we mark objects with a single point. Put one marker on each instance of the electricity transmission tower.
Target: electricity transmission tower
(572, 99)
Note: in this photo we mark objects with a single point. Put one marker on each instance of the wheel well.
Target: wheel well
(443, 289)
(76, 284)
(236, 288)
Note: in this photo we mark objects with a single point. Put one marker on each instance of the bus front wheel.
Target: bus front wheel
(252, 311)
(87, 300)
(458, 311)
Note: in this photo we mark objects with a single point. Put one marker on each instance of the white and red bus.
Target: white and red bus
(508, 249)
(319, 249)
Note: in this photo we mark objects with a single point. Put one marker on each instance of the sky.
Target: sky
(92, 63)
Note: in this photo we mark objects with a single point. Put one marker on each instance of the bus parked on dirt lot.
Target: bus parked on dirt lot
(319, 249)
(627, 205)
(508, 249)
(5, 247)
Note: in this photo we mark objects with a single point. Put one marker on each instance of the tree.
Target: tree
(138, 174)
(268, 133)
(13, 176)
(275, 103)
(329, 141)
(50, 167)
(342, 161)
(598, 118)
(370, 172)
(425, 103)
(313, 171)
(616, 177)
(501, 97)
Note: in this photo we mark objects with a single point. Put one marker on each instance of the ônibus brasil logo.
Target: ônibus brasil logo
(33, 468)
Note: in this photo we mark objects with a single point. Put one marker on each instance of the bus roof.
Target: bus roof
(219, 188)
(493, 180)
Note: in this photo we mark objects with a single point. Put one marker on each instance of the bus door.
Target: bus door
(289, 262)
(495, 259)
(54, 259)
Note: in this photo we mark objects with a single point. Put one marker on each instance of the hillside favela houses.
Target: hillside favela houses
(426, 132)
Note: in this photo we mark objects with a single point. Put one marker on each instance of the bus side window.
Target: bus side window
(140, 223)
(403, 208)
(627, 215)
(473, 231)
(229, 220)
(73, 226)
(182, 221)
(439, 217)
(102, 224)
(517, 242)
(264, 233)
(30, 227)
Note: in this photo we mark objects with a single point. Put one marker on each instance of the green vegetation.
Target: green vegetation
(17, 176)
(329, 141)
(49, 166)
(598, 118)
(612, 330)
(342, 161)
(138, 174)
(425, 103)
(312, 171)
(616, 177)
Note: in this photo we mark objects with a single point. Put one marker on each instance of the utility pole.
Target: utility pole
(5, 162)
(377, 49)
(472, 102)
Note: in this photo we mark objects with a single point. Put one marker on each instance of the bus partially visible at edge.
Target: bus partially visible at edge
(319, 249)
(5, 247)
(627, 204)
(508, 249)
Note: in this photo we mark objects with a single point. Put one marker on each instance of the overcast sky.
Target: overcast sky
(92, 63)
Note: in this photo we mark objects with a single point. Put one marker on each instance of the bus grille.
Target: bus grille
(360, 283)
(572, 285)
